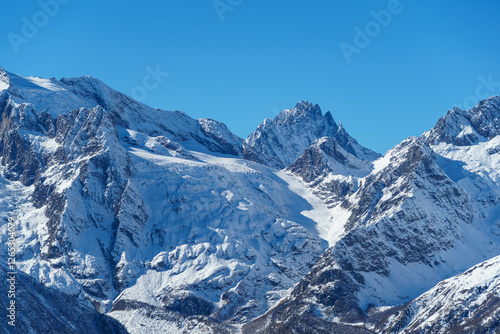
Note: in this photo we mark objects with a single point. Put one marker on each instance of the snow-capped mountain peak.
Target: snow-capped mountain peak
(171, 224)
(303, 109)
(466, 127)
(59, 97)
(280, 141)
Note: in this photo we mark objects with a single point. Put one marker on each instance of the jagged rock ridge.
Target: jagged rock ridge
(147, 214)
(280, 141)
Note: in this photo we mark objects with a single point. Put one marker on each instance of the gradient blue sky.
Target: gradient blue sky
(264, 56)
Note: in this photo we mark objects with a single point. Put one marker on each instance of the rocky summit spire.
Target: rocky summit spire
(282, 140)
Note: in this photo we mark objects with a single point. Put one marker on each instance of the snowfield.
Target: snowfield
(169, 224)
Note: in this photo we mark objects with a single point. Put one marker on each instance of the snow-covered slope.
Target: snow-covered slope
(330, 171)
(223, 237)
(466, 303)
(125, 215)
(42, 310)
(280, 141)
(57, 97)
(170, 224)
(426, 211)
(468, 127)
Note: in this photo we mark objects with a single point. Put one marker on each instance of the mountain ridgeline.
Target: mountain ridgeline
(135, 219)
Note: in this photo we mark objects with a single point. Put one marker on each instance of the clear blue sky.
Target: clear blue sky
(265, 56)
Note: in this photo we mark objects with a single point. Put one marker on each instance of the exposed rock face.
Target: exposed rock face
(466, 303)
(406, 222)
(130, 114)
(468, 127)
(330, 170)
(280, 141)
(115, 208)
(42, 310)
(228, 142)
(314, 162)
(17, 154)
(171, 224)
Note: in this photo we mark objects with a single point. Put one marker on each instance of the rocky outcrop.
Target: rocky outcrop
(407, 213)
(468, 127)
(281, 141)
(124, 208)
(42, 310)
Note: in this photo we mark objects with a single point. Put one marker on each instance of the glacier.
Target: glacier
(152, 221)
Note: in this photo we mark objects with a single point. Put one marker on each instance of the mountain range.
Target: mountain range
(131, 219)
